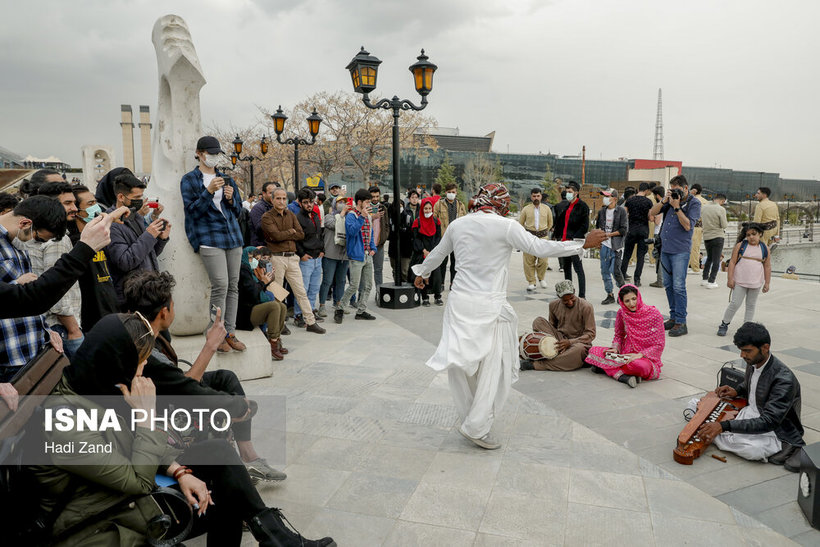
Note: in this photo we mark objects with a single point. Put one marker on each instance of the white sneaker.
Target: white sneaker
(531, 288)
(712, 285)
(704, 282)
(543, 283)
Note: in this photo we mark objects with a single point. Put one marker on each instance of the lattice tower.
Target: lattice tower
(657, 150)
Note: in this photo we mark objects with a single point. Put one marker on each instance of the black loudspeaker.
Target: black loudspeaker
(807, 496)
(732, 374)
(396, 298)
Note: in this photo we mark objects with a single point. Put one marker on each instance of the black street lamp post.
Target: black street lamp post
(749, 198)
(279, 119)
(236, 155)
(363, 71)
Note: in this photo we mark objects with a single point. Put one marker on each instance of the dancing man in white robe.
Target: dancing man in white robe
(479, 346)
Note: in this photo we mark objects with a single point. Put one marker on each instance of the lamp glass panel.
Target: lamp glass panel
(368, 76)
(279, 124)
(355, 75)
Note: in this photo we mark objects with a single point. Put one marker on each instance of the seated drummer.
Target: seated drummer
(572, 323)
(769, 427)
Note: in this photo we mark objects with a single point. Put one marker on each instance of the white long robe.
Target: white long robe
(478, 345)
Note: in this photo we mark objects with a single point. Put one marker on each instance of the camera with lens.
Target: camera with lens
(676, 193)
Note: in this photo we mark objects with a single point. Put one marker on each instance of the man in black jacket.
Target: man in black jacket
(310, 251)
(769, 427)
(572, 222)
(150, 293)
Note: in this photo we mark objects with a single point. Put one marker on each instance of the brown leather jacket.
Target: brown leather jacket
(281, 230)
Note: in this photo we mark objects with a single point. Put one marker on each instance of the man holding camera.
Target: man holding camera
(680, 213)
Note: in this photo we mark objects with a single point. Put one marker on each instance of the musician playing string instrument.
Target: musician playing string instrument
(769, 427)
(572, 324)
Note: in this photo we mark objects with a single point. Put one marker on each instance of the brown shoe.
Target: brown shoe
(234, 342)
(281, 349)
(275, 354)
(224, 347)
(315, 328)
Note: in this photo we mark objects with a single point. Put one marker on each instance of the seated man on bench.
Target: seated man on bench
(149, 292)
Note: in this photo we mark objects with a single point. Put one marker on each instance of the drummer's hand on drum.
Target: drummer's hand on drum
(726, 391)
(709, 431)
(421, 282)
(562, 345)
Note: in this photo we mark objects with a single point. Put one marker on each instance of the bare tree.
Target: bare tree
(479, 170)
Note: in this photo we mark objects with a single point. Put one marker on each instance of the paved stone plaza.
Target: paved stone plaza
(373, 457)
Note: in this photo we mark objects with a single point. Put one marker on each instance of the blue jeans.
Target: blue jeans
(674, 268)
(312, 278)
(334, 273)
(611, 265)
(70, 347)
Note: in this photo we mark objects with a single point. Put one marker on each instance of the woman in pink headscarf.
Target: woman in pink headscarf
(638, 343)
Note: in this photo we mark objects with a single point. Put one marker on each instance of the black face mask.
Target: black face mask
(136, 204)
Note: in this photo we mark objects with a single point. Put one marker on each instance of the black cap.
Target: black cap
(573, 184)
(334, 185)
(210, 145)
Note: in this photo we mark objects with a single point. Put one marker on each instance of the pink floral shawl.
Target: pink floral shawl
(640, 331)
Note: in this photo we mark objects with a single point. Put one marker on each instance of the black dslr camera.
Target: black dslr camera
(676, 193)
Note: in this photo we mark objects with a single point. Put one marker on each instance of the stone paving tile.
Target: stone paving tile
(349, 528)
(765, 495)
(670, 530)
(477, 470)
(342, 454)
(373, 495)
(413, 534)
(588, 525)
(680, 499)
(809, 539)
(392, 461)
(443, 505)
(607, 490)
(510, 514)
(787, 519)
(309, 484)
(548, 484)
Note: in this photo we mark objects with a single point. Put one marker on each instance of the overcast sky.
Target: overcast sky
(740, 79)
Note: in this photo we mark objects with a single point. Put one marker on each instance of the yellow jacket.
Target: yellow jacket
(527, 218)
(767, 211)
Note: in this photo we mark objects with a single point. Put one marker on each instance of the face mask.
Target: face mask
(607, 201)
(428, 215)
(136, 204)
(254, 263)
(92, 211)
(211, 160)
(451, 196)
(570, 196)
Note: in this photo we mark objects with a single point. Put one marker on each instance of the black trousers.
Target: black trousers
(443, 269)
(713, 249)
(574, 261)
(630, 241)
(234, 496)
(227, 381)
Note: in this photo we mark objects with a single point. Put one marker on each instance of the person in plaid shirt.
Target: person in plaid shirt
(22, 338)
(360, 251)
(212, 207)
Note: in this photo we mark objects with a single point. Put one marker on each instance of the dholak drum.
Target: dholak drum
(537, 345)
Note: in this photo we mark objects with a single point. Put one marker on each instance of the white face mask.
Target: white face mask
(451, 196)
(428, 215)
(253, 263)
(570, 196)
(607, 201)
(211, 160)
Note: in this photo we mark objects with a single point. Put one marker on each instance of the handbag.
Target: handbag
(340, 237)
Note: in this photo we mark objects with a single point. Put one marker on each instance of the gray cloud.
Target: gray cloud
(737, 78)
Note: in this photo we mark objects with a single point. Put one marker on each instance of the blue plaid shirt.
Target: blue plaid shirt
(21, 338)
(204, 223)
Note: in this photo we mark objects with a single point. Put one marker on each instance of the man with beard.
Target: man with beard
(769, 426)
(536, 218)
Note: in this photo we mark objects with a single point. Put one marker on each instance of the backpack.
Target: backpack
(340, 238)
(764, 250)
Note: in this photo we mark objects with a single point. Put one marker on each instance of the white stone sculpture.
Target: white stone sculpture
(177, 129)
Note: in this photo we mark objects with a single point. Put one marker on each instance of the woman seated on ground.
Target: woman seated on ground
(639, 340)
(257, 305)
(85, 486)
(426, 235)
